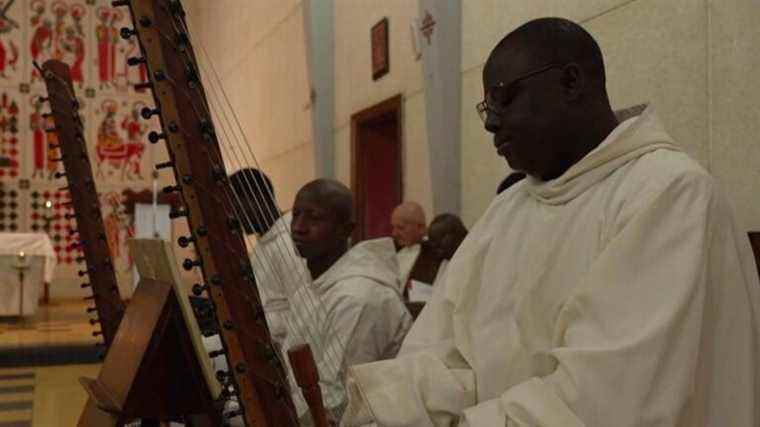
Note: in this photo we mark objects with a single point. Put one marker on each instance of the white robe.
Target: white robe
(620, 294)
(361, 318)
(279, 272)
(406, 257)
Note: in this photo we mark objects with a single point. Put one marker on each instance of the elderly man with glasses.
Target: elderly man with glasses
(610, 288)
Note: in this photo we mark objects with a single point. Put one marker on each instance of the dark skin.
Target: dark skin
(548, 121)
(318, 233)
(444, 238)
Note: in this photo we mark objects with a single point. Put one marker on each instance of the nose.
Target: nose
(297, 226)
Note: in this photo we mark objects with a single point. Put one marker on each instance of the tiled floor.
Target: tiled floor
(48, 396)
(60, 322)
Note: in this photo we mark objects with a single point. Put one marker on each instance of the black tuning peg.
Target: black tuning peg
(188, 264)
(154, 137)
(69, 216)
(60, 174)
(56, 159)
(217, 353)
(171, 189)
(147, 112)
(164, 165)
(91, 309)
(184, 241)
(64, 188)
(235, 413)
(96, 333)
(51, 130)
(143, 86)
(79, 259)
(126, 33)
(119, 3)
(93, 321)
(177, 213)
(222, 376)
(85, 285)
(134, 61)
(198, 289)
(43, 99)
(88, 271)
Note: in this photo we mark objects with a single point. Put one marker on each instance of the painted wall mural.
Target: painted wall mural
(85, 35)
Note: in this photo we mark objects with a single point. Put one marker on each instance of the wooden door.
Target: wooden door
(376, 167)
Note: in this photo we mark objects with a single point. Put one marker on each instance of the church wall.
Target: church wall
(690, 59)
(355, 90)
(258, 50)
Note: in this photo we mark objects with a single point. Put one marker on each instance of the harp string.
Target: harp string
(284, 255)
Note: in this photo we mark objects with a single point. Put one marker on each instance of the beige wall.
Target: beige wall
(355, 90)
(692, 59)
(259, 52)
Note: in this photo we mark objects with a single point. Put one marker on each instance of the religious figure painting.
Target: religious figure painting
(58, 31)
(10, 41)
(114, 75)
(119, 227)
(118, 136)
(10, 114)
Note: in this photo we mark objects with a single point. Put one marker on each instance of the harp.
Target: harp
(64, 107)
(256, 378)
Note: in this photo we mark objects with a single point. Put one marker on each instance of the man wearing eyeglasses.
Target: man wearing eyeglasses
(610, 288)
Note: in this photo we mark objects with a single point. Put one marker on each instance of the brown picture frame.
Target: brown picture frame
(381, 62)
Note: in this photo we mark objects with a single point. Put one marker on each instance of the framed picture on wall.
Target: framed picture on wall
(380, 56)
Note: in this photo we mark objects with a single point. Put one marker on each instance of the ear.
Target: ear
(573, 81)
(345, 230)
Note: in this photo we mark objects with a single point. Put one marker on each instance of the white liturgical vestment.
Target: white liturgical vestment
(350, 314)
(620, 294)
(406, 257)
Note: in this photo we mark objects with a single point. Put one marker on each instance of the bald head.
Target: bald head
(408, 224)
(549, 41)
(446, 233)
(332, 195)
(322, 222)
(545, 98)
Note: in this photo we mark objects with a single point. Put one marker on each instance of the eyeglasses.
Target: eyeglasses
(493, 104)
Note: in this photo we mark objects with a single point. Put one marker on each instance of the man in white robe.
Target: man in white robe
(352, 311)
(408, 227)
(611, 287)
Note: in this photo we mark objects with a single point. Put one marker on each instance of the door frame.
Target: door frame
(365, 117)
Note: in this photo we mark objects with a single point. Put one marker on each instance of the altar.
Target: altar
(27, 262)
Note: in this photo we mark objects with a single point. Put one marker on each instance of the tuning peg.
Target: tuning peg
(96, 333)
(235, 413)
(80, 259)
(177, 213)
(69, 216)
(90, 297)
(94, 321)
(91, 309)
(188, 264)
(154, 137)
(43, 99)
(134, 61)
(126, 33)
(222, 376)
(73, 231)
(198, 289)
(201, 231)
(184, 241)
(147, 112)
(64, 188)
(85, 285)
(119, 3)
(51, 130)
(47, 115)
(218, 174)
(217, 353)
(88, 271)
(164, 165)
(60, 174)
(143, 86)
(172, 188)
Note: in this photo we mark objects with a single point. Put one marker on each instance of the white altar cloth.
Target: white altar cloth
(38, 266)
